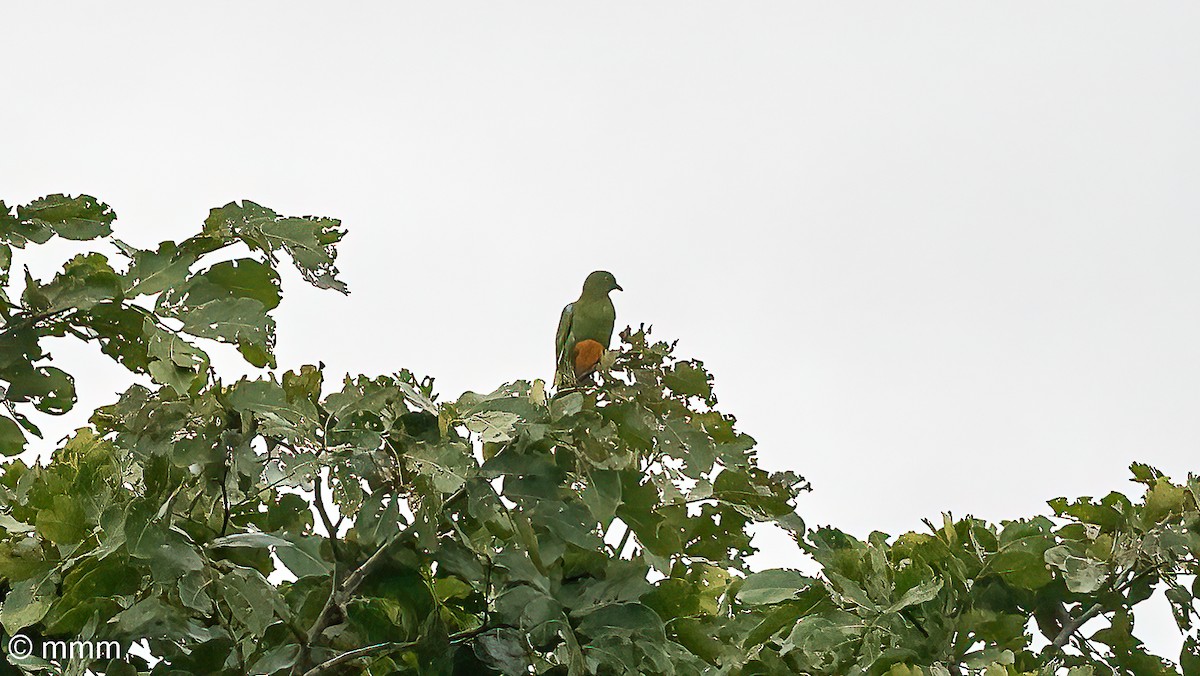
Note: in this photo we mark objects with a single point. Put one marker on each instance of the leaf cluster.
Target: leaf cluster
(149, 310)
(1049, 594)
(294, 524)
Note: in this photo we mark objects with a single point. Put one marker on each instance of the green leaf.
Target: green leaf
(12, 526)
(156, 271)
(268, 401)
(19, 233)
(251, 599)
(120, 330)
(169, 551)
(925, 591)
(63, 522)
(852, 591)
(1163, 498)
(566, 405)
(824, 638)
(493, 426)
(250, 539)
(310, 241)
(194, 591)
(1021, 556)
(241, 278)
(1189, 657)
(570, 522)
(304, 556)
(153, 618)
(689, 379)
(174, 361)
(226, 303)
(376, 522)
(624, 620)
(1144, 473)
(301, 556)
(240, 322)
(503, 650)
(12, 439)
(784, 615)
(85, 280)
(5, 266)
(78, 218)
(276, 659)
(757, 494)
(602, 494)
(50, 389)
(27, 603)
(1082, 575)
(93, 588)
(304, 384)
(773, 586)
(447, 466)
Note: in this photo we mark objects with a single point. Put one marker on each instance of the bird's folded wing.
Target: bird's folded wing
(564, 330)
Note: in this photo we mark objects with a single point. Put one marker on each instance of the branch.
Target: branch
(1072, 626)
(904, 612)
(365, 651)
(349, 655)
(330, 528)
(30, 318)
(339, 595)
(274, 484)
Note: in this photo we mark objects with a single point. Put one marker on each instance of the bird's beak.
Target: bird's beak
(617, 287)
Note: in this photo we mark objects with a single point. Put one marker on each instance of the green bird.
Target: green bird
(585, 328)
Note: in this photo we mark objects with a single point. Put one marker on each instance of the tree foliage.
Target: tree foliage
(290, 525)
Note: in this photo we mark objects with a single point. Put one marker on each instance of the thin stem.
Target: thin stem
(225, 492)
(319, 502)
(624, 539)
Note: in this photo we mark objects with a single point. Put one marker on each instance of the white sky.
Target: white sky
(939, 255)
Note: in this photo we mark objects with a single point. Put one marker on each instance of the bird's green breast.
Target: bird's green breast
(593, 320)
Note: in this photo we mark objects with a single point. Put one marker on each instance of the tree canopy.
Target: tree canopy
(288, 524)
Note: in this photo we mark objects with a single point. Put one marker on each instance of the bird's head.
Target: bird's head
(601, 281)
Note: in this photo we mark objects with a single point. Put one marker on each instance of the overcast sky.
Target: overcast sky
(939, 256)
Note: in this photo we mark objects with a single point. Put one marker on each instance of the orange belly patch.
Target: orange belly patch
(585, 355)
